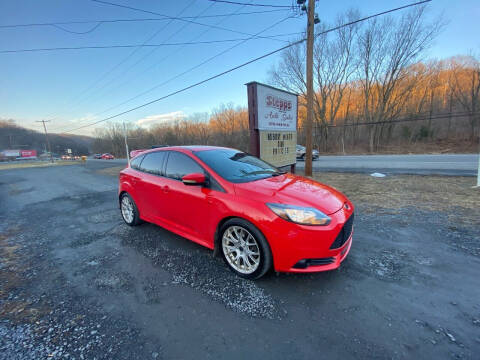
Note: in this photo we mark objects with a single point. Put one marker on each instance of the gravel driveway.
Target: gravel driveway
(75, 282)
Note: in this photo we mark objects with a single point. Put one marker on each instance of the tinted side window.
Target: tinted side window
(179, 165)
(236, 166)
(135, 162)
(153, 163)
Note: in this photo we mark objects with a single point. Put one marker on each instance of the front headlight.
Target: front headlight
(300, 215)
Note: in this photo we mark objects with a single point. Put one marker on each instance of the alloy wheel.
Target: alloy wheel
(127, 210)
(241, 249)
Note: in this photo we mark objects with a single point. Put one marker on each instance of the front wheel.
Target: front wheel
(244, 249)
(129, 210)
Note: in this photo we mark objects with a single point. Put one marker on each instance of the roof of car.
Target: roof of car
(192, 148)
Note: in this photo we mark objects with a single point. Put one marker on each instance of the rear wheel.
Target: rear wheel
(129, 210)
(244, 249)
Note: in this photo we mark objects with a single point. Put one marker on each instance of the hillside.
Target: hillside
(13, 136)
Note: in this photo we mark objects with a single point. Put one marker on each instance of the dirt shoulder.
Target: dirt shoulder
(452, 195)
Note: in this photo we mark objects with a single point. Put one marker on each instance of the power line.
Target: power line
(205, 42)
(190, 69)
(193, 68)
(148, 54)
(375, 15)
(238, 67)
(409, 119)
(169, 54)
(139, 45)
(136, 20)
(154, 49)
(76, 32)
(171, 19)
(190, 86)
(78, 98)
(260, 5)
(175, 18)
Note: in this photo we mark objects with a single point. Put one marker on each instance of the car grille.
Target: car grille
(344, 234)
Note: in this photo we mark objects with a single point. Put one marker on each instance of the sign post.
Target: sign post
(272, 119)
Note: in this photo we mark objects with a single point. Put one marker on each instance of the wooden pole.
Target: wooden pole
(46, 138)
(310, 114)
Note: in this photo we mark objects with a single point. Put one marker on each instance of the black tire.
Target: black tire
(136, 215)
(266, 259)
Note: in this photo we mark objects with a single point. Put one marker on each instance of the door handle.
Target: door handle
(166, 189)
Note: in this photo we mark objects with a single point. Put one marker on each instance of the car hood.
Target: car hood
(293, 190)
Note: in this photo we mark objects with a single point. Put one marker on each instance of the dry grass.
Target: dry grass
(113, 171)
(449, 194)
(21, 165)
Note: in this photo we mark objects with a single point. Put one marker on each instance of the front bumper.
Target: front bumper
(299, 248)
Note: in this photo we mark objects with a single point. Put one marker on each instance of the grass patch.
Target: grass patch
(112, 171)
(452, 195)
(22, 165)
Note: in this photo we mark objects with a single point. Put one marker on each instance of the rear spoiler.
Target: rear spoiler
(134, 153)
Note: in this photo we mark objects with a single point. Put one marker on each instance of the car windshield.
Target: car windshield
(236, 166)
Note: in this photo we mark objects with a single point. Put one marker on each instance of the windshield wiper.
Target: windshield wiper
(259, 172)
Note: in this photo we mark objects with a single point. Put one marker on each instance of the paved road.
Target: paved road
(444, 164)
(76, 281)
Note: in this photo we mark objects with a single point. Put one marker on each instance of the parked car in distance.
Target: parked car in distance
(97, 156)
(255, 216)
(301, 152)
(107, 156)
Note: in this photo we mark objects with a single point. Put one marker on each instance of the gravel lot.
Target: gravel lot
(75, 282)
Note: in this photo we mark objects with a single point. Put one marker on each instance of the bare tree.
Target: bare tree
(466, 88)
(387, 48)
(334, 66)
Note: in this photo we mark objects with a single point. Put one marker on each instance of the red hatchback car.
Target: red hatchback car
(254, 215)
(107, 156)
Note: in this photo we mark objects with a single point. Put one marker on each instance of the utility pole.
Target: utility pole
(478, 169)
(310, 114)
(46, 137)
(126, 144)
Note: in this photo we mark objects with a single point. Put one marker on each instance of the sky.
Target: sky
(72, 88)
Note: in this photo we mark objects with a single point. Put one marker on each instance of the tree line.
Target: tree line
(370, 75)
(13, 136)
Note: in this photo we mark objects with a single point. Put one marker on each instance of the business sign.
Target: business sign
(272, 117)
(278, 147)
(277, 109)
(28, 153)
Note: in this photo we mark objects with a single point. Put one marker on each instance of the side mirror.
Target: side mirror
(194, 179)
